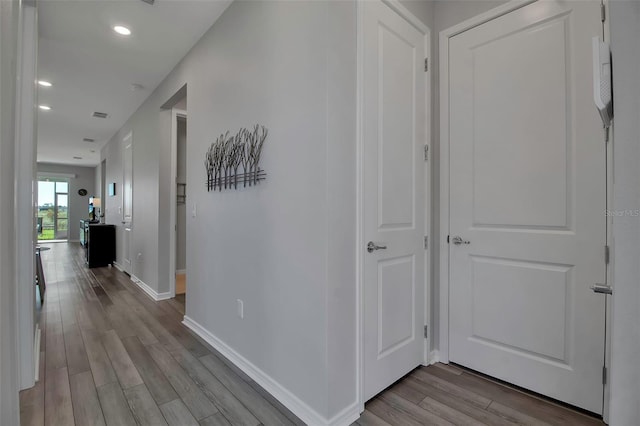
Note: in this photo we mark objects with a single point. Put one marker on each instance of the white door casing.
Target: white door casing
(527, 190)
(393, 133)
(127, 199)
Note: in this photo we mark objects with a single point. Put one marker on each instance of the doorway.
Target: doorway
(524, 184)
(394, 85)
(127, 202)
(181, 206)
(52, 221)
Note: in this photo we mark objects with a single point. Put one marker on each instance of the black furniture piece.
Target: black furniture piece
(100, 245)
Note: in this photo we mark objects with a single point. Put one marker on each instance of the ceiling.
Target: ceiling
(94, 69)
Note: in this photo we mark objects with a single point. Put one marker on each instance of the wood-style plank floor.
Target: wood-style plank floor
(112, 356)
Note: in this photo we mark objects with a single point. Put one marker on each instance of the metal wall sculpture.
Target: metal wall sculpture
(228, 154)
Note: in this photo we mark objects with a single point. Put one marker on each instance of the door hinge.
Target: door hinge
(447, 239)
(426, 242)
(604, 374)
(426, 331)
(426, 64)
(607, 255)
(426, 152)
(603, 12)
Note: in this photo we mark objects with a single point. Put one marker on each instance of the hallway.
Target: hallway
(110, 355)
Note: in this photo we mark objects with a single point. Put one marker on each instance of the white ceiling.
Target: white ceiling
(93, 69)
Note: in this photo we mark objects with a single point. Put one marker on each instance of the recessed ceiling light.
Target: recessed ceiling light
(122, 30)
(44, 83)
(45, 107)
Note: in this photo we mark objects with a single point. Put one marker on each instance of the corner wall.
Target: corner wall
(10, 18)
(625, 339)
(446, 14)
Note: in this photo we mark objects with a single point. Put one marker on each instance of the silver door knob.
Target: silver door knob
(371, 247)
(458, 240)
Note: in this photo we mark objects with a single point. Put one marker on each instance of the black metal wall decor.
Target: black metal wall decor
(228, 153)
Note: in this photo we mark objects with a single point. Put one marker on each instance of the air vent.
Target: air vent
(149, 1)
(100, 114)
(88, 140)
(77, 158)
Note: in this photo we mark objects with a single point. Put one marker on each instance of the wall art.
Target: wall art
(234, 160)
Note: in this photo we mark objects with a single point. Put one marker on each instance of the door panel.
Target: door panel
(528, 191)
(393, 131)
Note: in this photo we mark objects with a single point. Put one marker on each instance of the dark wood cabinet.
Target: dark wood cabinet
(100, 245)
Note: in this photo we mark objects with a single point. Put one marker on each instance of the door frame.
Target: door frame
(442, 353)
(173, 194)
(403, 12)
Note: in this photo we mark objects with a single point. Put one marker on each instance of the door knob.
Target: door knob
(371, 247)
(458, 240)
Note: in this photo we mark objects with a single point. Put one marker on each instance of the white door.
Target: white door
(394, 137)
(127, 199)
(528, 192)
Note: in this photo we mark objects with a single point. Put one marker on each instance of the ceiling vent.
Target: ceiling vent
(149, 2)
(77, 158)
(88, 140)
(100, 114)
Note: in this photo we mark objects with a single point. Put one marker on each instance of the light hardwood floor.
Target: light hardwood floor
(112, 356)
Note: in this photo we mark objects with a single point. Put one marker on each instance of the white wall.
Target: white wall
(78, 205)
(9, 34)
(26, 191)
(287, 246)
(625, 341)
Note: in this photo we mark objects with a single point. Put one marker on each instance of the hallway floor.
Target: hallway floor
(110, 355)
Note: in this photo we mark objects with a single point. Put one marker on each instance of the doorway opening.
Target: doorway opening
(181, 206)
(53, 209)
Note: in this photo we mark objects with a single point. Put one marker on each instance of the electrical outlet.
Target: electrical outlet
(240, 308)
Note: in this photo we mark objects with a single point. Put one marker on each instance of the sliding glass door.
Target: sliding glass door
(53, 209)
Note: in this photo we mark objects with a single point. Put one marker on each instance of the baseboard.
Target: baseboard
(434, 357)
(298, 407)
(151, 292)
(118, 266)
(181, 271)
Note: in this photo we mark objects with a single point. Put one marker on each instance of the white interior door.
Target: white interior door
(528, 192)
(127, 199)
(394, 137)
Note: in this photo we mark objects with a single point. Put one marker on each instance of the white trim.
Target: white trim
(36, 353)
(434, 357)
(298, 407)
(151, 292)
(404, 13)
(173, 195)
(445, 35)
(118, 266)
(606, 30)
(359, 207)
(181, 271)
